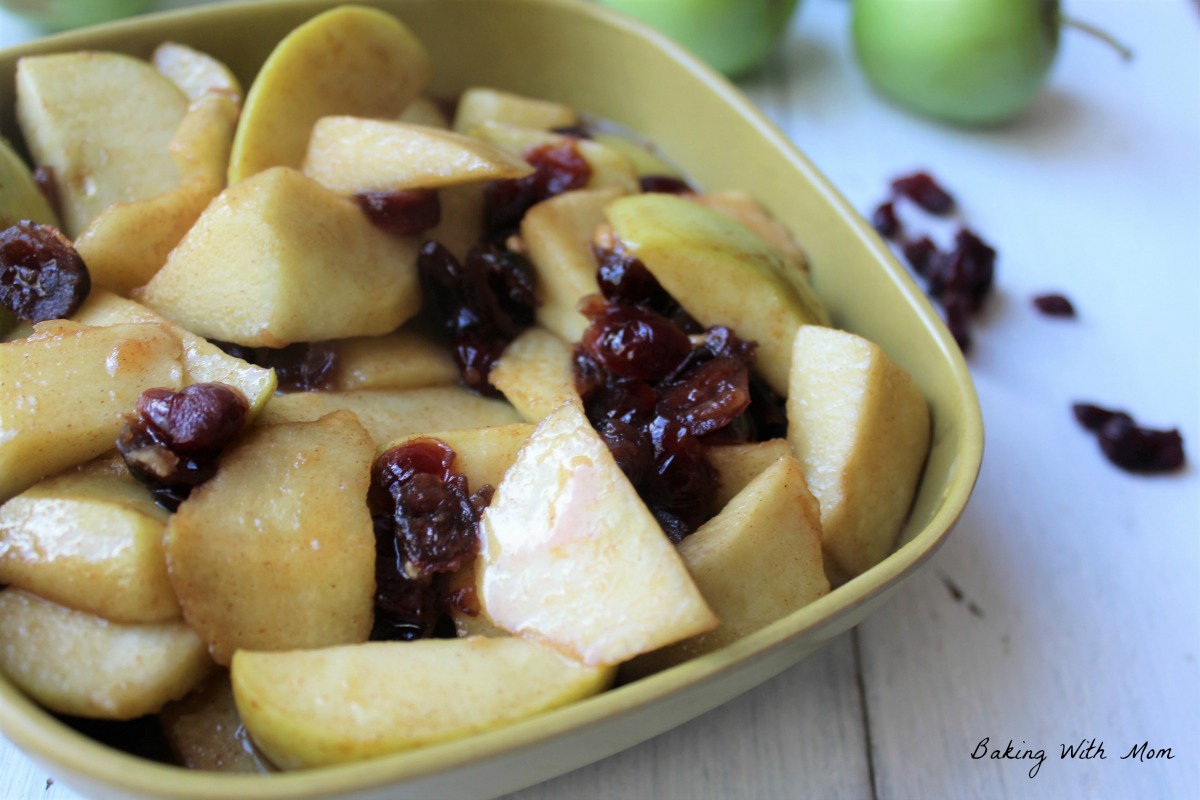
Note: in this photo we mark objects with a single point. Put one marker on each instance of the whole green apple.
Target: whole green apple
(972, 62)
(59, 15)
(733, 36)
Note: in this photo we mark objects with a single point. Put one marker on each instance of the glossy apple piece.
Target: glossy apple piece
(65, 389)
(80, 664)
(536, 373)
(276, 551)
(567, 548)
(90, 539)
(323, 68)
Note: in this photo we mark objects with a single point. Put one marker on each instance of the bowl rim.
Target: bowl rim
(41, 736)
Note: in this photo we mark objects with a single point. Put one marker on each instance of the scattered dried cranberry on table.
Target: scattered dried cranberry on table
(959, 279)
(172, 440)
(1128, 445)
(1054, 305)
(41, 275)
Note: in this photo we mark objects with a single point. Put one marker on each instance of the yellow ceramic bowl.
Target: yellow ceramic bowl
(580, 54)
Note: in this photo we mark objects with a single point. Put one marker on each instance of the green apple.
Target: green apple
(572, 557)
(974, 62)
(60, 15)
(76, 663)
(733, 36)
(276, 551)
(337, 705)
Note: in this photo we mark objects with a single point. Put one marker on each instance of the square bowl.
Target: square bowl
(590, 58)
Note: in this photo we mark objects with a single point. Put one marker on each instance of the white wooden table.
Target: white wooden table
(1066, 605)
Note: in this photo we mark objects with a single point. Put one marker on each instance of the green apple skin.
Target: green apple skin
(60, 15)
(969, 62)
(733, 36)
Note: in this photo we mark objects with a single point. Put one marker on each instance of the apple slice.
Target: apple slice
(424, 111)
(479, 104)
(277, 551)
(461, 225)
(195, 73)
(536, 373)
(644, 156)
(351, 155)
(742, 207)
(103, 122)
(342, 704)
(128, 242)
(558, 233)
(859, 424)
(755, 562)
(721, 273)
(79, 664)
(390, 415)
(90, 539)
(203, 362)
(610, 169)
(405, 359)
(279, 259)
(349, 60)
(484, 454)
(738, 464)
(204, 732)
(571, 557)
(64, 389)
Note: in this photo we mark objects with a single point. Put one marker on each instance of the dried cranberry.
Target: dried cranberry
(922, 189)
(633, 342)
(623, 278)
(41, 275)
(558, 168)
(969, 269)
(922, 255)
(665, 184)
(630, 447)
(1130, 446)
(301, 367)
(403, 213)
(682, 483)
(630, 401)
(885, 221)
(1054, 305)
(484, 303)
(426, 524)
(172, 440)
(707, 398)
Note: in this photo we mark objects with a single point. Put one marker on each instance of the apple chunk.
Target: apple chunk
(351, 155)
(404, 359)
(341, 704)
(349, 60)
(279, 259)
(204, 732)
(480, 104)
(64, 389)
(195, 73)
(859, 424)
(277, 551)
(103, 122)
(755, 562)
(721, 273)
(571, 557)
(90, 539)
(536, 373)
(79, 664)
(21, 198)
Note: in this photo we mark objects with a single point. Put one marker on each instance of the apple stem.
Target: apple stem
(1096, 33)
